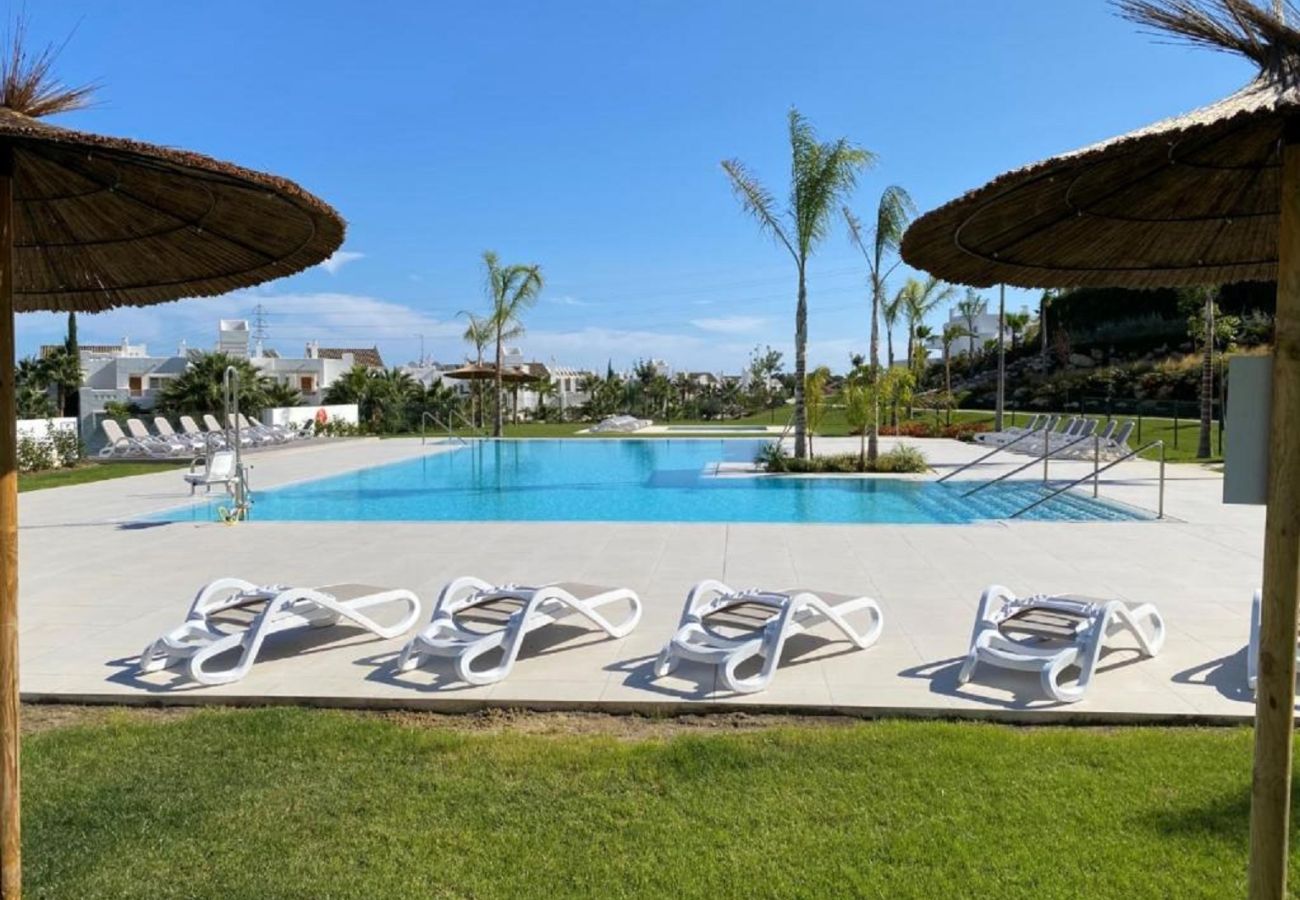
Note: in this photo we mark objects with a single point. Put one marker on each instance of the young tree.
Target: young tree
(952, 331)
(815, 397)
(821, 176)
(919, 300)
(511, 290)
(893, 213)
(478, 332)
(859, 407)
(970, 308)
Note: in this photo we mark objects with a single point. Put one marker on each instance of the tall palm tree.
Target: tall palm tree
(893, 213)
(920, 299)
(821, 176)
(478, 332)
(511, 290)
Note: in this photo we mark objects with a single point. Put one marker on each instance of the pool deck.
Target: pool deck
(94, 592)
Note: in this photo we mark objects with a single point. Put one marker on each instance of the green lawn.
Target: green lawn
(91, 471)
(312, 803)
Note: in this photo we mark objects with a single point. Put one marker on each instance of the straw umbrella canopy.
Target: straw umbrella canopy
(90, 223)
(511, 375)
(1212, 196)
(476, 372)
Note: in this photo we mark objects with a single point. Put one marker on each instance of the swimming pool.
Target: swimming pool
(634, 480)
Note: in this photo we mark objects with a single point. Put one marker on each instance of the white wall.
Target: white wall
(40, 428)
(297, 415)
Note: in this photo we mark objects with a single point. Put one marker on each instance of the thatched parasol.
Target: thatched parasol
(476, 372)
(1208, 197)
(92, 223)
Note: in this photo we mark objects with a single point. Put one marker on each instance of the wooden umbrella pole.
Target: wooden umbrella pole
(10, 837)
(1275, 698)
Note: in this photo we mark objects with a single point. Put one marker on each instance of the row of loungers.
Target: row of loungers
(739, 632)
(1078, 438)
(166, 442)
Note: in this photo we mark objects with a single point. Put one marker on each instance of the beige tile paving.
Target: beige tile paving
(95, 592)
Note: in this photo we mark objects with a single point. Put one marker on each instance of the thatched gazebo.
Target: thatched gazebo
(1209, 197)
(90, 223)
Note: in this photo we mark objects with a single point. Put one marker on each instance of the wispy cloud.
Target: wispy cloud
(730, 324)
(340, 258)
(567, 300)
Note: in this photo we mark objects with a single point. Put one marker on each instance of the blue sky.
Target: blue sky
(587, 136)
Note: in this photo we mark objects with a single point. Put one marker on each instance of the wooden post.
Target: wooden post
(1275, 698)
(11, 870)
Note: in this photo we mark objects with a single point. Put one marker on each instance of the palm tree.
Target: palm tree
(281, 394)
(921, 334)
(479, 333)
(200, 388)
(61, 370)
(920, 299)
(1016, 324)
(544, 388)
(971, 308)
(821, 175)
(511, 290)
(892, 215)
(1203, 450)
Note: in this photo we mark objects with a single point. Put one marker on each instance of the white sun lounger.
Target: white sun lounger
(1048, 635)
(206, 439)
(162, 446)
(1252, 650)
(792, 611)
(217, 468)
(201, 639)
(214, 427)
(192, 443)
(1011, 433)
(119, 445)
(535, 607)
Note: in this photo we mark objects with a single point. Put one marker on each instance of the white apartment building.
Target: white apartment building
(127, 374)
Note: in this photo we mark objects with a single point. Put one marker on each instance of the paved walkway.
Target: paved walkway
(95, 592)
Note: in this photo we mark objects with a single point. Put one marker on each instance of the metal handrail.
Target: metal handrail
(1160, 503)
(1048, 453)
(996, 450)
(427, 416)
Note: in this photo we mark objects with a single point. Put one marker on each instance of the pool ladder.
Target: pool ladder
(1048, 452)
(427, 417)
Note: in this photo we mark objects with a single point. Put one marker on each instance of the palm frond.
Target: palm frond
(829, 176)
(1235, 26)
(757, 201)
(895, 211)
(27, 83)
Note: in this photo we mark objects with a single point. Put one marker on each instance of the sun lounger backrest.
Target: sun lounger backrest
(138, 430)
(112, 431)
(1108, 430)
(1121, 437)
(1050, 424)
(1070, 427)
(1086, 428)
(210, 421)
(1034, 422)
(189, 426)
(163, 427)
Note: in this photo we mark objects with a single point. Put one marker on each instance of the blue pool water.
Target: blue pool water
(637, 481)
